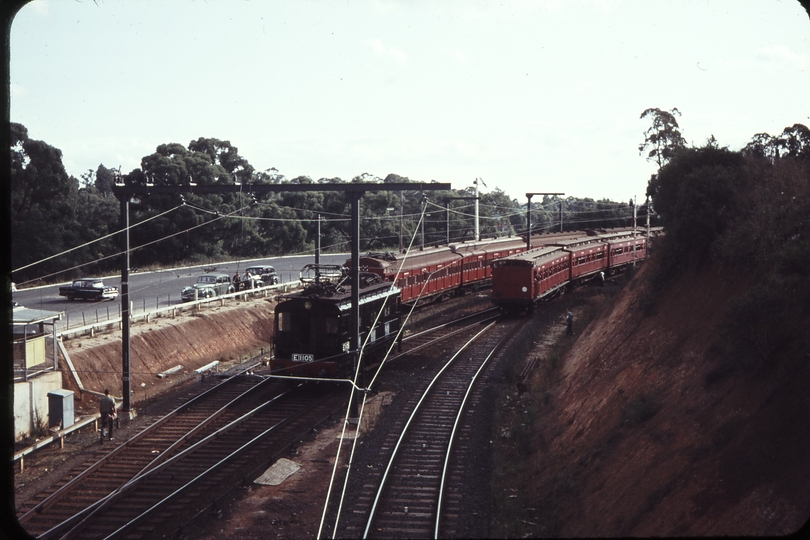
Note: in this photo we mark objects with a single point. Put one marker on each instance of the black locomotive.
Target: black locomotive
(313, 328)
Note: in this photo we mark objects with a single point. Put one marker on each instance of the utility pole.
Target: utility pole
(529, 216)
(355, 280)
(447, 213)
(424, 215)
(318, 241)
(401, 210)
(648, 223)
(477, 229)
(126, 389)
(647, 203)
(126, 193)
(447, 219)
(635, 214)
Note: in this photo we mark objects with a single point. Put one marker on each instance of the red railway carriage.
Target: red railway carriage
(437, 272)
(588, 256)
(478, 257)
(426, 273)
(518, 281)
(620, 251)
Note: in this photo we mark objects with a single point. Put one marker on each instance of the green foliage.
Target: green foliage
(52, 212)
(771, 218)
(105, 180)
(695, 195)
(747, 210)
(43, 204)
(663, 139)
(794, 142)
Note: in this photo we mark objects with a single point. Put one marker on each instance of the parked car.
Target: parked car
(88, 289)
(266, 273)
(208, 286)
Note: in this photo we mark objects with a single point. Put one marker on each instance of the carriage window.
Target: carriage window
(284, 321)
(330, 325)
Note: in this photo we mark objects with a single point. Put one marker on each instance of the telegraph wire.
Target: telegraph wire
(365, 394)
(94, 241)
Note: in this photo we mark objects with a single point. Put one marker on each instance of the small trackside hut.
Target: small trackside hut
(312, 329)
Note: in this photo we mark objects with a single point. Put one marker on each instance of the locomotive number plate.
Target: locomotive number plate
(303, 357)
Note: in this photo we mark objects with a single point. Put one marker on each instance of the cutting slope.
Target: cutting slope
(218, 333)
(649, 432)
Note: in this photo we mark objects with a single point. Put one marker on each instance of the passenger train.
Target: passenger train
(312, 329)
(521, 280)
(436, 273)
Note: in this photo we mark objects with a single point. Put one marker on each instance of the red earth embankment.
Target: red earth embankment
(217, 333)
(647, 433)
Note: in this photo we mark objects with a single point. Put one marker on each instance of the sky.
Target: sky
(530, 96)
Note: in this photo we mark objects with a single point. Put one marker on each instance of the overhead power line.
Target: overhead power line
(93, 241)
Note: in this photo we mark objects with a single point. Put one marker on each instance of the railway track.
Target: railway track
(161, 502)
(107, 468)
(127, 487)
(414, 342)
(414, 489)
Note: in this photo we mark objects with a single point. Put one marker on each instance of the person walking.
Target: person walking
(569, 321)
(107, 409)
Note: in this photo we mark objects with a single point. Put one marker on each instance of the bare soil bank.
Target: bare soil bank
(638, 430)
(225, 333)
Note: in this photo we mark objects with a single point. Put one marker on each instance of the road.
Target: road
(148, 290)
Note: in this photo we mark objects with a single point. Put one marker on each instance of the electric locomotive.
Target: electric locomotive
(312, 328)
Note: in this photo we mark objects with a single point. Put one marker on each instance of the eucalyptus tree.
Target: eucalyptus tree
(42, 206)
(663, 138)
(206, 226)
(105, 180)
(794, 142)
(502, 215)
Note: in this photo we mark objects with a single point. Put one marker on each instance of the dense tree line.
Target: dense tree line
(78, 219)
(745, 211)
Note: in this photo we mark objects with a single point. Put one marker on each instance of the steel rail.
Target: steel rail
(167, 452)
(408, 423)
(461, 411)
(443, 336)
(73, 482)
(128, 486)
(450, 323)
(133, 522)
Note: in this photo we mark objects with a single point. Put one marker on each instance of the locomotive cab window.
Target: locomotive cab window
(284, 321)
